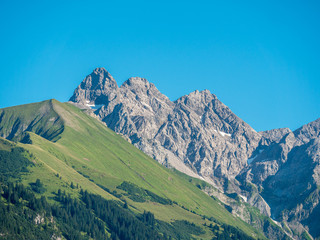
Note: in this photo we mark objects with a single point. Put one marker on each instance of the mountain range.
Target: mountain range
(276, 171)
(184, 169)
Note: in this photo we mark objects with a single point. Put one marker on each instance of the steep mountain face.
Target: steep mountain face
(196, 134)
(98, 85)
(288, 172)
(276, 171)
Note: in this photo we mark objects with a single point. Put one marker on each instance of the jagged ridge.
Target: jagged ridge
(196, 134)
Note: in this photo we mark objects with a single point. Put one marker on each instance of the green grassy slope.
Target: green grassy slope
(69, 146)
(35, 117)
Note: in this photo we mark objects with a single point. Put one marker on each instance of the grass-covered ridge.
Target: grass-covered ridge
(39, 118)
(70, 148)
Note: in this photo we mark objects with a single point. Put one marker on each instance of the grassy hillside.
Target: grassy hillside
(70, 150)
(36, 117)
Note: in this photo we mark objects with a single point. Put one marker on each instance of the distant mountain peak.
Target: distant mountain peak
(201, 97)
(185, 130)
(100, 70)
(137, 82)
(308, 131)
(134, 80)
(95, 86)
(206, 92)
(100, 78)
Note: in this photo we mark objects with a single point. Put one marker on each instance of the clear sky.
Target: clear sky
(261, 58)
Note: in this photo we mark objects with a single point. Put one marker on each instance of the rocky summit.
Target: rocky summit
(276, 171)
(196, 134)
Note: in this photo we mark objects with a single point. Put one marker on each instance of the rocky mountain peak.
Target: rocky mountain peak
(274, 135)
(197, 101)
(308, 131)
(145, 93)
(139, 85)
(136, 81)
(95, 88)
(200, 96)
(100, 70)
(101, 79)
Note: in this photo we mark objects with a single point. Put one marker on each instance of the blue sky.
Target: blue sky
(261, 58)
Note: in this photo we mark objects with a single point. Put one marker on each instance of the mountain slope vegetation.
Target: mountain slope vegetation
(71, 152)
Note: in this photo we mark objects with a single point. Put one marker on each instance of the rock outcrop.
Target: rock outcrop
(288, 171)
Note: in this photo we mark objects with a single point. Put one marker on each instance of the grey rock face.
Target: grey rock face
(273, 136)
(288, 171)
(200, 136)
(307, 132)
(197, 134)
(98, 85)
(269, 160)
